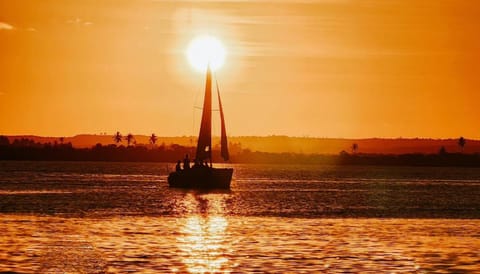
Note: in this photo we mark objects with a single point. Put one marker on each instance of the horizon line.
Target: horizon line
(250, 136)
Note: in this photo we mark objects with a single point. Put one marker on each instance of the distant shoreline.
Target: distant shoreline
(279, 144)
(31, 151)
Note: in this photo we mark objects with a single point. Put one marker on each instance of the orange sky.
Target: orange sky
(327, 68)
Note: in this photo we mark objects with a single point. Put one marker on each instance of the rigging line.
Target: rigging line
(192, 133)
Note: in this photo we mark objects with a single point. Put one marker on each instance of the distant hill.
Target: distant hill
(278, 144)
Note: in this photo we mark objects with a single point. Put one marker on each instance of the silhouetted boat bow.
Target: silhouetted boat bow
(202, 175)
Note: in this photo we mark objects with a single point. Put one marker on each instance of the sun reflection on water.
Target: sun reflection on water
(202, 238)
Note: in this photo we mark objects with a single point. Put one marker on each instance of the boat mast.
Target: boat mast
(204, 145)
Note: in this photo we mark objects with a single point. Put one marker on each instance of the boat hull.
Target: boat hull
(201, 178)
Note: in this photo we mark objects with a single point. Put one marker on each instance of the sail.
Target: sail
(223, 138)
(204, 145)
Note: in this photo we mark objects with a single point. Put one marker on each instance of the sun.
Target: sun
(205, 50)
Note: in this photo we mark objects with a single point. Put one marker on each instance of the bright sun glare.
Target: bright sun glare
(206, 50)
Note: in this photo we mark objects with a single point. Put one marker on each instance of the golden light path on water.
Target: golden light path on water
(216, 244)
(202, 237)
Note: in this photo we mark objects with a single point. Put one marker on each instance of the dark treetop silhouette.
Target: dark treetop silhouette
(153, 139)
(117, 137)
(461, 143)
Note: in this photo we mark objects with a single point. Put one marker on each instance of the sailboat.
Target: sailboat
(202, 175)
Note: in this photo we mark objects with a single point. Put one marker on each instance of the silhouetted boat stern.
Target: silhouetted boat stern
(201, 178)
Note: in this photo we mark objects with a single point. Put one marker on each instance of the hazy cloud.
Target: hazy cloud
(79, 22)
(74, 21)
(5, 26)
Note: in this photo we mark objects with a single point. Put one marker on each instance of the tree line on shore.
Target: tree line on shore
(27, 149)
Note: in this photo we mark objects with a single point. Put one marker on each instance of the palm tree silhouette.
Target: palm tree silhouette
(153, 139)
(354, 147)
(117, 137)
(462, 142)
(129, 138)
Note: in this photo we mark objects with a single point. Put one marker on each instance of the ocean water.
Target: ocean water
(87, 217)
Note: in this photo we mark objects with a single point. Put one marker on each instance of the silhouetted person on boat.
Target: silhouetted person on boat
(186, 162)
(196, 164)
(178, 167)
